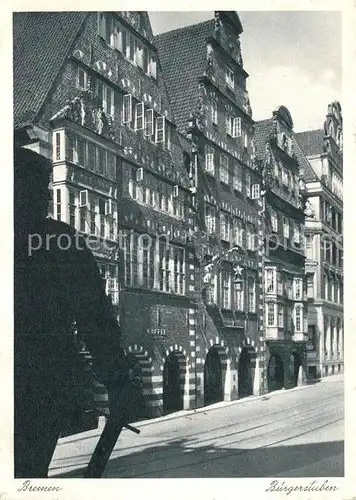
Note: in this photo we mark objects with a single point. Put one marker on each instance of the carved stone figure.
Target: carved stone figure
(308, 209)
(238, 52)
(217, 27)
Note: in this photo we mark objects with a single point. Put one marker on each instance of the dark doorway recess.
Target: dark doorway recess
(245, 379)
(213, 380)
(275, 374)
(172, 393)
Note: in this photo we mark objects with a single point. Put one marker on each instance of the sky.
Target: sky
(293, 58)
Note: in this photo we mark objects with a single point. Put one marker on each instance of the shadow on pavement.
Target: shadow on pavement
(184, 458)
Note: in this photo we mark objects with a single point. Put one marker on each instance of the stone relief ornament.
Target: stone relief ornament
(247, 105)
(217, 26)
(210, 61)
(339, 139)
(308, 209)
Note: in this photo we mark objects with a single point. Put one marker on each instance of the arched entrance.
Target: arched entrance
(213, 378)
(172, 385)
(245, 373)
(275, 373)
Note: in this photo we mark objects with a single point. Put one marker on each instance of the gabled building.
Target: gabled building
(206, 83)
(284, 259)
(322, 171)
(89, 93)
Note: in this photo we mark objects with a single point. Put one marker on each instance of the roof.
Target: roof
(262, 130)
(311, 142)
(182, 54)
(306, 170)
(41, 42)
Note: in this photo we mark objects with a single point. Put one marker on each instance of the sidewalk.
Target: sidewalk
(95, 433)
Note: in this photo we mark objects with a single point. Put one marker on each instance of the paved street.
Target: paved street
(295, 433)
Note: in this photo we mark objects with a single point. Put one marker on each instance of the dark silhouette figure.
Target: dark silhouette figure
(57, 284)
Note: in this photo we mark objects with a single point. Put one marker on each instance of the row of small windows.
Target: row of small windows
(134, 114)
(276, 284)
(333, 290)
(76, 149)
(130, 45)
(289, 228)
(235, 174)
(332, 216)
(232, 296)
(154, 263)
(231, 229)
(147, 189)
(87, 212)
(288, 317)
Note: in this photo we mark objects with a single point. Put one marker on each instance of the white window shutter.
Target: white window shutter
(160, 129)
(127, 109)
(83, 198)
(153, 69)
(175, 191)
(139, 174)
(149, 123)
(140, 116)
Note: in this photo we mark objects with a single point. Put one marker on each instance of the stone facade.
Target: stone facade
(323, 173)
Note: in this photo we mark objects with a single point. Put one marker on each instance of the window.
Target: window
(92, 216)
(140, 116)
(251, 240)
(224, 227)
(298, 319)
(111, 165)
(248, 184)
(230, 78)
(127, 108)
(238, 298)
(214, 110)
(164, 271)
(91, 157)
(238, 232)
(271, 317)
(270, 281)
(237, 179)
(210, 218)
(310, 286)
(280, 316)
(298, 288)
(131, 260)
(149, 123)
(211, 292)
(209, 159)
(153, 67)
(284, 177)
(178, 270)
(274, 221)
(296, 233)
(251, 288)
(286, 227)
(224, 169)
(58, 205)
(106, 96)
(255, 192)
(72, 210)
(58, 146)
(309, 242)
(160, 130)
(101, 161)
(233, 126)
(225, 289)
(145, 263)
